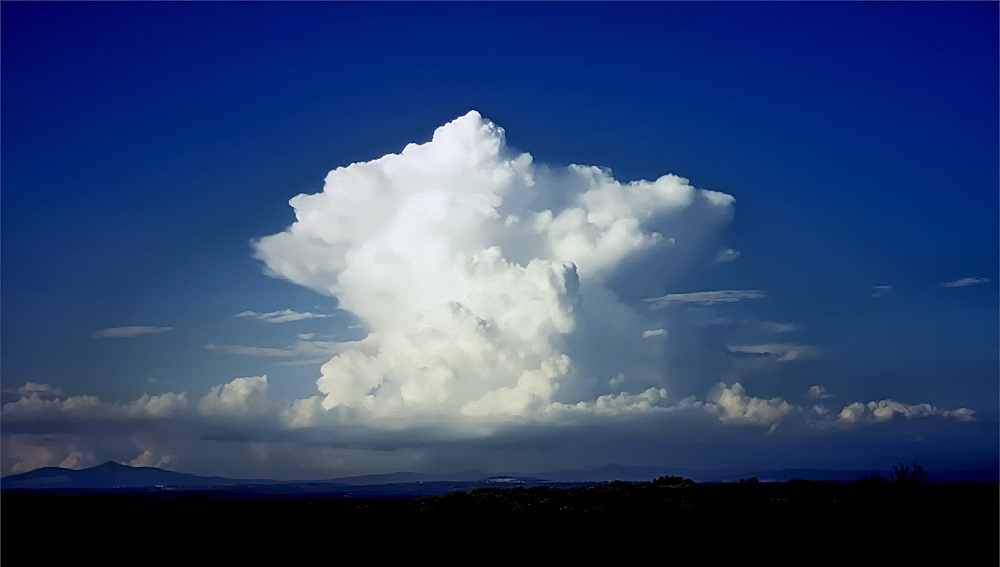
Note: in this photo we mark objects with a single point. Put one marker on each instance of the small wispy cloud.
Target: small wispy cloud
(777, 328)
(282, 316)
(312, 350)
(881, 290)
(966, 282)
(654, 333)
(305, 362)
(617, 381)
(42, 390)
(818, 393)
(726, 255)
(782, 352)
(251, 350)
(125, 332)
(705, 297)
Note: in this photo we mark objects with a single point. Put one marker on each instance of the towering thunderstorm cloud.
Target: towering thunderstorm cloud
(482, 278)
(501, 297)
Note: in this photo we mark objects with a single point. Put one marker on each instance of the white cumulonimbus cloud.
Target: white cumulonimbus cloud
(484, 281)
(479, 274)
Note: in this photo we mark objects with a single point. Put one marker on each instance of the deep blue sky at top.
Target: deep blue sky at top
(145, 144)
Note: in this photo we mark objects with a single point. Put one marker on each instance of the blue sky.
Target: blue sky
(149, 150)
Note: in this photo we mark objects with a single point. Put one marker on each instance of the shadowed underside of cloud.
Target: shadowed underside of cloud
(164, 430)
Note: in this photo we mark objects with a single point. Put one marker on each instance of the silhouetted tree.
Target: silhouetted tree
(909, 474)
(873, 478)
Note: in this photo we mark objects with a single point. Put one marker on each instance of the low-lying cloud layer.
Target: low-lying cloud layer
(249, 423)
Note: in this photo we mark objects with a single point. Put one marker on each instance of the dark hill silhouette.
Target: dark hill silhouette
(116, 476)
(112, 475)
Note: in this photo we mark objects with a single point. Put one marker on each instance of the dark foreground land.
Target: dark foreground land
(957, 522)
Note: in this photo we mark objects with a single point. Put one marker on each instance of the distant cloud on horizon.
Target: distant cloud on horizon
(126, 332)
(966, 282)
(705, 297)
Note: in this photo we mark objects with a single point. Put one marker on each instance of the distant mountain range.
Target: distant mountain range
(115, 476)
